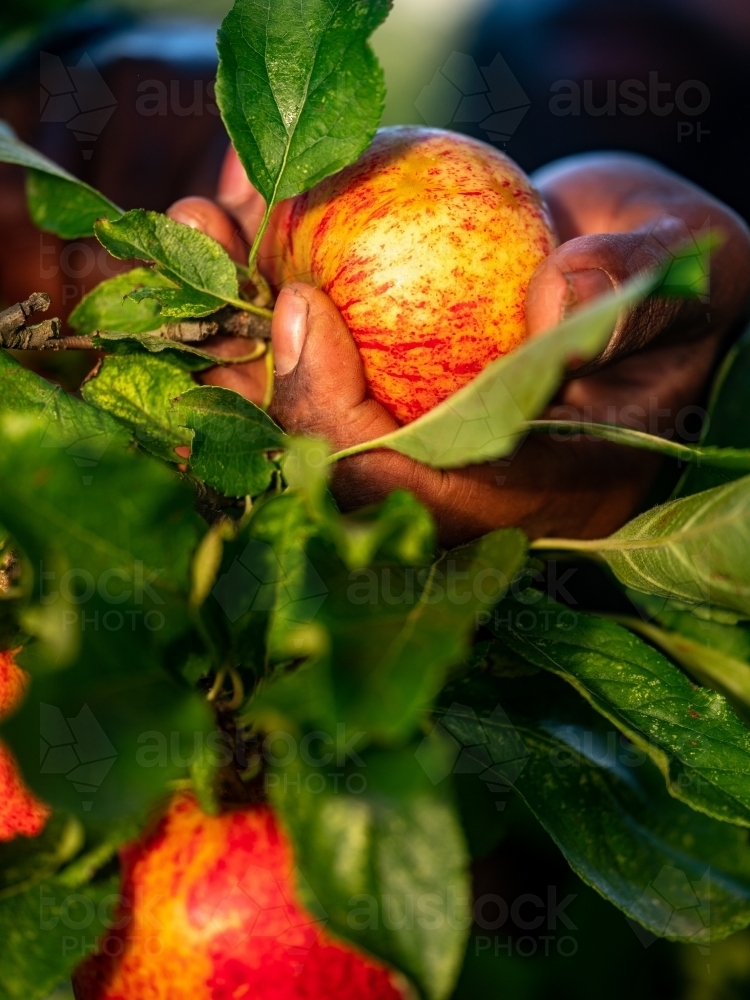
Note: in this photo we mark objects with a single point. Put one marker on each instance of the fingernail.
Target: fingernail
(289, 329)
(198, 213)
(584, 286)
(187, 217)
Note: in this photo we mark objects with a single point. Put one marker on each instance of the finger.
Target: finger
(555, 290)
(248, 378)
(320, 390)
(589, 266)
(202, 214)
(320, 387)
(237, 195)
(585, 268)
(241, 200)
(234, 186)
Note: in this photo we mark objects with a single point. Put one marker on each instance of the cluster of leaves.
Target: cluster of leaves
(196, 644)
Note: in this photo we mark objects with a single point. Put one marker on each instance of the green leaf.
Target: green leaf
(399, 530)
(58, 202)
(695, 549)
(268, 586)
(727, 425)
(110, 555)
(732, 459)
(53, 900)
(114, 518)
(179, 303)
(108, 307)
(138, 390)
(26, 861)
(707, 626)
(39, 948)
(487, 418)
(300, 91)
(691, 734)
(204, 272)
(265, 585)
(604, 805)
(191, 359)
(387, 863)
(231, 441)
(383, 639)
(62, 421)
(114, 732)
(712, 667)
(688, 272)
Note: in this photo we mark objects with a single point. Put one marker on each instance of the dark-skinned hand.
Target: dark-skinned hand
(615, 215)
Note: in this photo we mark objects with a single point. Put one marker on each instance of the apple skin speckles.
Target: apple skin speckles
(427, 245)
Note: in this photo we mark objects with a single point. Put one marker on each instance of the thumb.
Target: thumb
(320, 386)
(589, 266)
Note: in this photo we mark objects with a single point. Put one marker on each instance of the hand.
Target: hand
(615, 215)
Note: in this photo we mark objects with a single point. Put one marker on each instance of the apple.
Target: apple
(21, 812)
(211, 910)
(426, 245)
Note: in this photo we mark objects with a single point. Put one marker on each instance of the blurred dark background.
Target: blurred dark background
(121, 95)
(662, 78)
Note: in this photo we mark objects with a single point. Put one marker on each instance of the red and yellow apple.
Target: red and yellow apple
(21, 812)
(427, 245)
(212, 911)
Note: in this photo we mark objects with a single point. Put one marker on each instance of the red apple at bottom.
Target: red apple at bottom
(211, 911)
